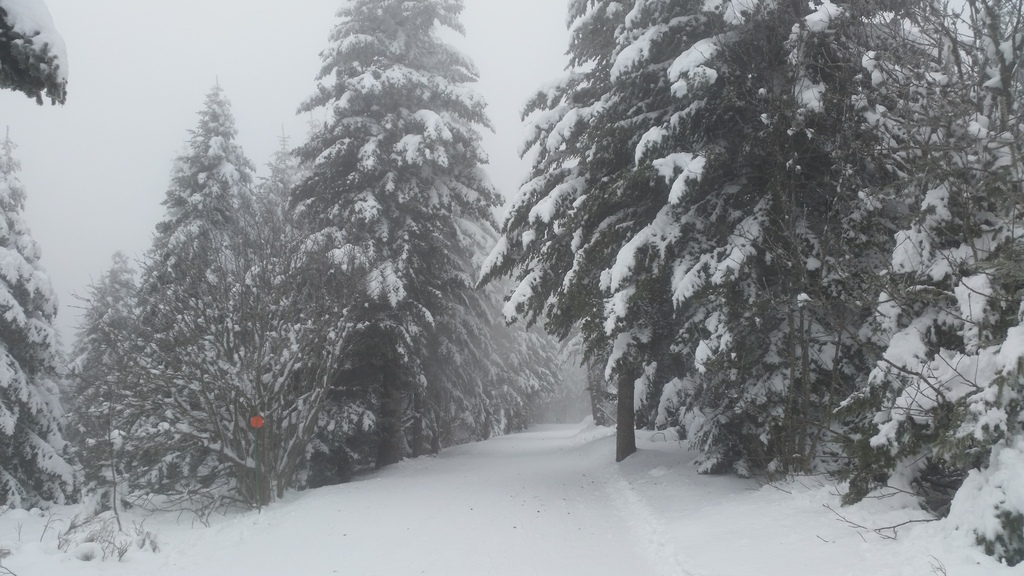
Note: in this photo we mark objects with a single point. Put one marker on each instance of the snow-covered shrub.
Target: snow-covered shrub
(103, 537)
(990, 504)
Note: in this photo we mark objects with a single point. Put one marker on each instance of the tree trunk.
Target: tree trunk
(419, 445)
(805, 393)
(115, 503)
(625, 432)
(389, 448)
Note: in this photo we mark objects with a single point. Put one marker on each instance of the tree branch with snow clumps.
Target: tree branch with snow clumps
(33, 58)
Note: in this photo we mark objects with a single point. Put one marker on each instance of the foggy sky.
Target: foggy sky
(96, 170)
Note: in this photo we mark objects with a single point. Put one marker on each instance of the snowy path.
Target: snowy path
(531, 504)
(545, 503)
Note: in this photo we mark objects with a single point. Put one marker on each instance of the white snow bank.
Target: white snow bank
(988, 493)
(549, 502)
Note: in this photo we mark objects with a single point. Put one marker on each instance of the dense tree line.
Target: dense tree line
(788, 232)
(791, 234)
(334, 299)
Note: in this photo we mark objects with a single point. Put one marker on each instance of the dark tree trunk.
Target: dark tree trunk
(389, 449)
(419, 444)
(625, 431)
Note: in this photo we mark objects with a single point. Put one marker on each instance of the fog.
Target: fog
(96, 169)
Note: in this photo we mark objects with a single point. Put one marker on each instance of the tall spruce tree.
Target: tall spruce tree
(551, 237)
(99, 400)
(397, 192)
(32, 54)
(783, 234)
(208, 182)
(698, 190)
(228, 323)
(32, 464)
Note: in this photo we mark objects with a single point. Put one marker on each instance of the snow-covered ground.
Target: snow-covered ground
(547, 502)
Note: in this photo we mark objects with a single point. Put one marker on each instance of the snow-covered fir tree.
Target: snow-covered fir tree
(208, 182)
(226, 324)
(101, 387)
(397, 193)
(567, 216)
(944, 406)
(33, 59)
(32, 464)
(285, 172)
(773, 170)
(697, 195)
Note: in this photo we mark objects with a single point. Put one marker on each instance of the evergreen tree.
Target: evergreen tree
(557, 233)
(206, 183)
(100, 404)
(227, 324)
(286, 171)
(945, 402)
(397, 193)
(32, 57)
(698, 189)
(180, 312)
(782, 231)
(32, 464)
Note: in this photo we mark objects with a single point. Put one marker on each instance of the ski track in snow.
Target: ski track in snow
(647, 529)
(548, 502)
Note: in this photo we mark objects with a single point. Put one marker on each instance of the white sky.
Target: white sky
(96, 170)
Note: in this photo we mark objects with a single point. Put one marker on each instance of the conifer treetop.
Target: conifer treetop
(397, 165)
(207, 181)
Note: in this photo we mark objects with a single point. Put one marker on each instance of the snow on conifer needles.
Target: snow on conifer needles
(32, 454)
(786, 233)
(723, 202)
(396, 192)
(36, 61)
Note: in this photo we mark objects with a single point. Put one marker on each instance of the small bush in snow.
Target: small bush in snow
(990, 504)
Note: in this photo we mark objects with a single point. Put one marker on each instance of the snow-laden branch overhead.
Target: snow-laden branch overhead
(35, 59)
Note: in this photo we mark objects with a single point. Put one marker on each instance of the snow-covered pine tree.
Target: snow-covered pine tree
(576, 207)
(946, 401)
(100, 406)
(286, 171)
(33, 60)
(230, 326)
(697, 197)
(775, 274)
(396, 191)
(207, 184)
(32, 464)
